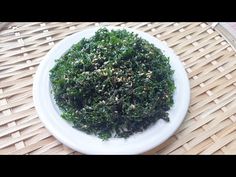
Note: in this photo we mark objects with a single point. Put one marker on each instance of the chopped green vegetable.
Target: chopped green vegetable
(113, 84)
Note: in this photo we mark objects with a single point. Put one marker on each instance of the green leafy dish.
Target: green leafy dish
(114, 84)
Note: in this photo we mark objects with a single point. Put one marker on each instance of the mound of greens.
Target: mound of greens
(113, 84)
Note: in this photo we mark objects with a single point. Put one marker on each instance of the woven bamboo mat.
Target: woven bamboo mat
(209, 127)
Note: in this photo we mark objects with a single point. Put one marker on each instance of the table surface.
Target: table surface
(210, 61)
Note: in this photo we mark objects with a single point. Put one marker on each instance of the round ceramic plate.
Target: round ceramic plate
(89, 144)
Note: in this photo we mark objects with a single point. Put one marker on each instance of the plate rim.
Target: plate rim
(60, 136)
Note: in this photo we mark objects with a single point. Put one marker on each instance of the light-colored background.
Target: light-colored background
(207, 51)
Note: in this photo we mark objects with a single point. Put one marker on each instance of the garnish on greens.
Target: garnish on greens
(113, 84)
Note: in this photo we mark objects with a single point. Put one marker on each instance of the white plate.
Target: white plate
(89, 144)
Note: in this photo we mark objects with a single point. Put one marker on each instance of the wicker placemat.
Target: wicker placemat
(210, 62)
